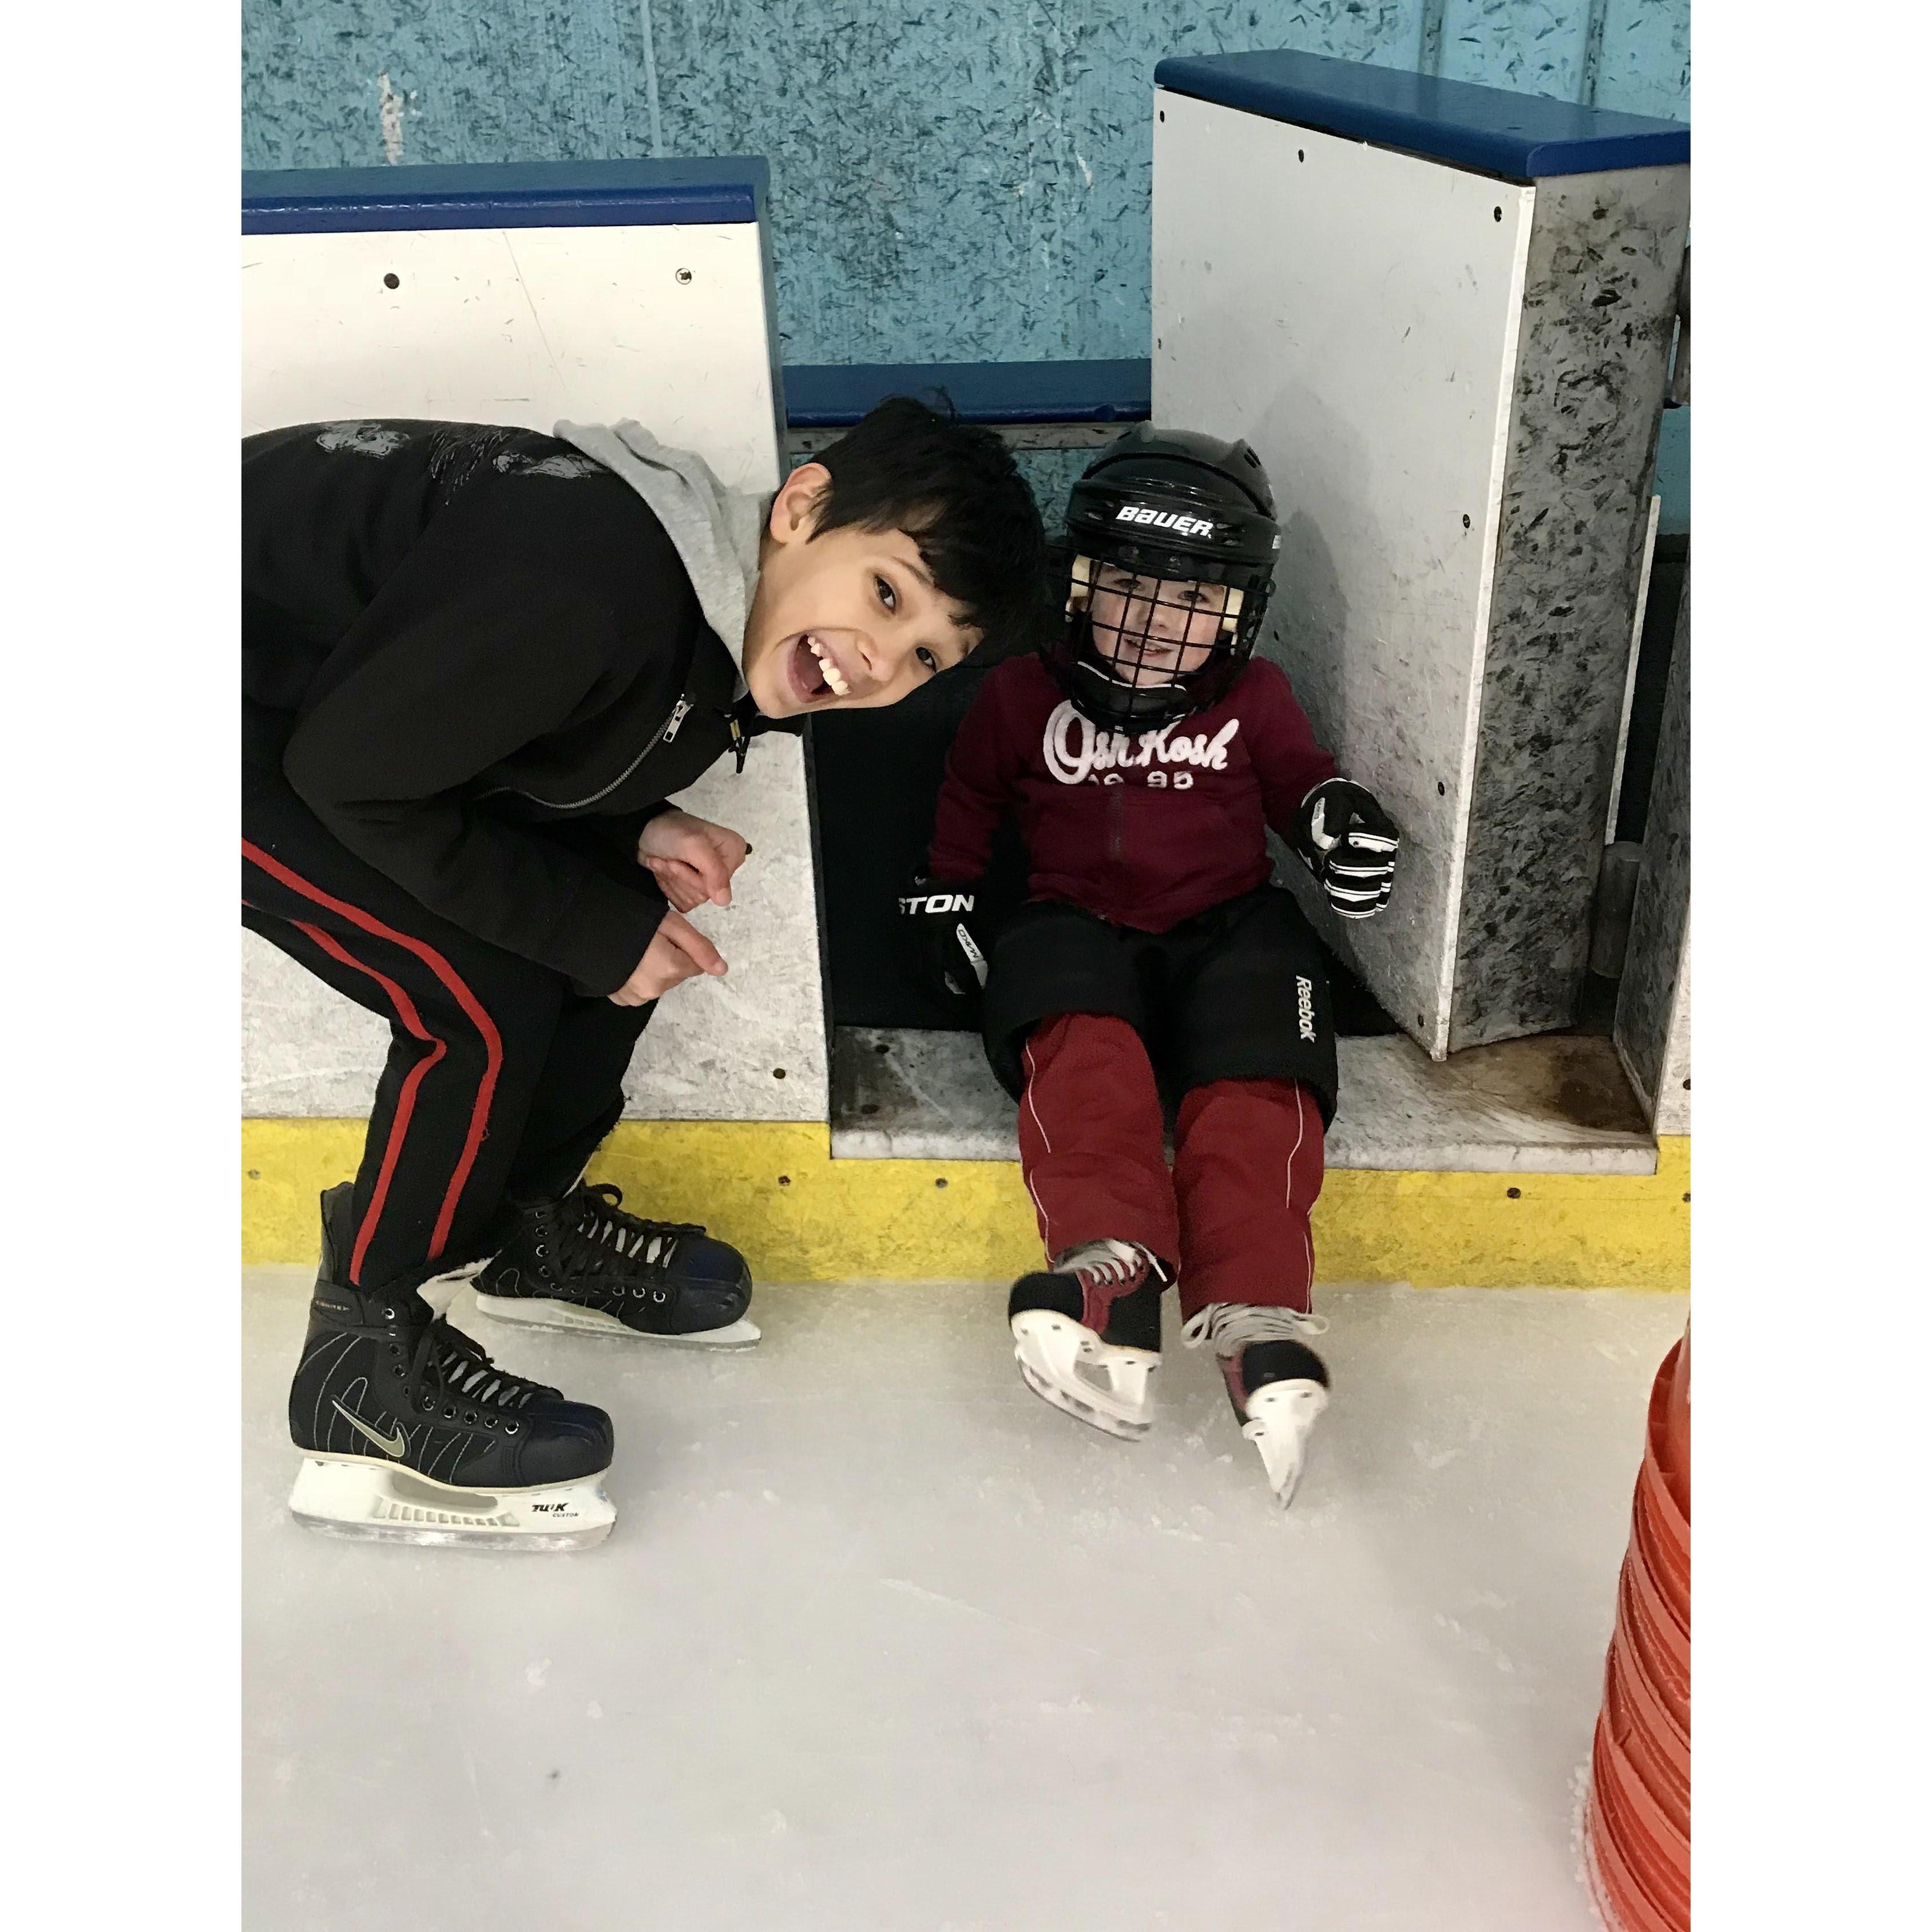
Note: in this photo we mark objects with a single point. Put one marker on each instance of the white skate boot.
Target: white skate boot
(1278, 1385)
(1086, 1333)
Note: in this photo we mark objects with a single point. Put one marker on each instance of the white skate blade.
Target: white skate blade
(1115, 1393)
(1281, 1416)
(382, 1502)
(532, 1311)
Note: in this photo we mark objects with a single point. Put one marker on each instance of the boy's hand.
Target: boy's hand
(691, 859)
(1350, 844)
(952, 963)
(678, 952)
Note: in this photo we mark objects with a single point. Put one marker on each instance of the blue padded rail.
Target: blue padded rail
(522, 194)
(833, 396)
(1522, 136)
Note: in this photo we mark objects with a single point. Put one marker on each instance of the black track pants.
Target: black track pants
(500, 1080)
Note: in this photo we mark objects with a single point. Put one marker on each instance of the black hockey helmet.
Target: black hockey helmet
(1172, 506)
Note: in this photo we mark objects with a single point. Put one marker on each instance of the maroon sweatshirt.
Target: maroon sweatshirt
(1145, 831)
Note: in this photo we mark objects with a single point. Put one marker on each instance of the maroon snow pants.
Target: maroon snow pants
(1232, 1216)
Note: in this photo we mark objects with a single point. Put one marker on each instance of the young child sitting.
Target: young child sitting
(1145, 751)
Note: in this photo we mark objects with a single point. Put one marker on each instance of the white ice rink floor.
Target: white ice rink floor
(882, 1643)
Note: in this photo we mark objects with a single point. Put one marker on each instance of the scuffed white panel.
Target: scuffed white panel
(307, 1052)
(714, 1047)
(1354, 313)
(1672, 1115)
(668, 325)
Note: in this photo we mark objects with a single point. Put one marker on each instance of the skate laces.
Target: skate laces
(463, 1368)
(602, 1224)
(1109, 1263)
(1232, 1325)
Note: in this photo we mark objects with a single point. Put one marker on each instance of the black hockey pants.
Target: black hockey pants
(500, 1080)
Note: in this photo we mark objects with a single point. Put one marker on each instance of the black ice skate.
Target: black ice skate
(412, 1436)
(1086, 1333)
(581, 1262)
(1277, 1383)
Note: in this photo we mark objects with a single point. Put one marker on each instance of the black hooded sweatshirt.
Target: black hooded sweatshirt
(474, 654)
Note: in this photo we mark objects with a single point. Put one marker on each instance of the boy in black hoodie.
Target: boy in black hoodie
(479, 663)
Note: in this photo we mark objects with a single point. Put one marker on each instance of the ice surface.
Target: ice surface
(882, 1643)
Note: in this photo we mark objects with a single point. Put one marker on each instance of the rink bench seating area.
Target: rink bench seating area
(1556, 1104)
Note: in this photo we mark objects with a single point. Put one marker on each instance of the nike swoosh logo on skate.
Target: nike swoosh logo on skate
(394, 1445)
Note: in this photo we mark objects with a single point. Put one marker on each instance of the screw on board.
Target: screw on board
(1498, 215)
(682, 275)
(1466, 520)
(1516, 1193)
(392, 281)
(1442, 789)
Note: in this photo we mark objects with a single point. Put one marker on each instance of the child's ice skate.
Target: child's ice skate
(1277, 1383)
(1086, 1333)
(581, 1262)
(411, 1435)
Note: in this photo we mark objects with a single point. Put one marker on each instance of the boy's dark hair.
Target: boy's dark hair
(954, 489)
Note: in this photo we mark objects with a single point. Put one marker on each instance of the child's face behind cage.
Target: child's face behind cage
(1153, 630)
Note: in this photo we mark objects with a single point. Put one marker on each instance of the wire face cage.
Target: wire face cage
(1170, 543)
(1149, 650)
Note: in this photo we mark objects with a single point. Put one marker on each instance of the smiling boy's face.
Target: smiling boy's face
(849, 621)
(1159, 627)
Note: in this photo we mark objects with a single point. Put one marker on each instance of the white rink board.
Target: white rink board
(525, 325)
(1354, 313)
(528, 326)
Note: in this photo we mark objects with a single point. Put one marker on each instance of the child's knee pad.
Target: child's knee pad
(1052, 958)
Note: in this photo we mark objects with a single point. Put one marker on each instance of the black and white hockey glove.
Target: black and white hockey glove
(1350, 844)
(938, 913)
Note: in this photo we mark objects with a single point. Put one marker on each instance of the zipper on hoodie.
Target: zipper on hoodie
(680, 712)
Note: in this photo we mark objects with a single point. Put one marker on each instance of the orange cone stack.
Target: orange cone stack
(1639, 1829)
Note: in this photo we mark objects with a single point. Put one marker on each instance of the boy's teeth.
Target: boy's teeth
(840, 688)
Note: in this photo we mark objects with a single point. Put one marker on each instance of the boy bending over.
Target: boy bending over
(480, 665)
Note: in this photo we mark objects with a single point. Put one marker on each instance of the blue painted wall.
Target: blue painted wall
(953, 180)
